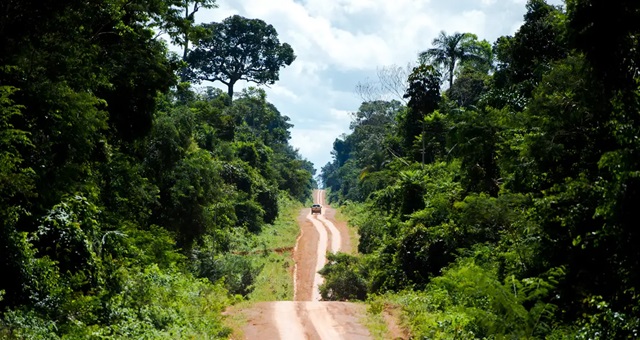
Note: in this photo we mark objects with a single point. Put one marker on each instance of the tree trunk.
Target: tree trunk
(186, 35)
(186, 48)
(451, 69)
(230, 91)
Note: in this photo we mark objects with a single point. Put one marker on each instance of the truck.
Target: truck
(316, 209)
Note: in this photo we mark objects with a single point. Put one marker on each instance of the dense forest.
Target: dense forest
(496, 197)
(124, 187)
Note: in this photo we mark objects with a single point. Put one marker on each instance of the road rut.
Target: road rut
(308, 317)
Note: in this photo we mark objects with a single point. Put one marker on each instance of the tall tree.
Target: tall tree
(239, 49)
(524, 58)
(451, 50)
(424, 97)
(608, 35)
(189, 9)
(178, 21)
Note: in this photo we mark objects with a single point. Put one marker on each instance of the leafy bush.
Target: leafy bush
(236, 272)
(249, 215)
(468, 302)
(605, 323)
(19, 324)
(343, 278)
(153, 303)
(69, 235)
(167, 304)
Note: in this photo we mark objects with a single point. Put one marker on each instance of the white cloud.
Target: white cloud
(340, 116)
(468, 21)
(282, 91)
(339, 43)
(312, 142)
(515, 27)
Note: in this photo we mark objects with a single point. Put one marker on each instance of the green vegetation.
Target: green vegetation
(342, 215)
(129, 200)
(503, 206)
(239, 49)
(274, 252)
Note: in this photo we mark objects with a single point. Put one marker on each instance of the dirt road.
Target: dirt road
(307, 317)
(326, 231)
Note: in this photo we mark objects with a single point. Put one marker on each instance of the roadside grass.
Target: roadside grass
(274, 282)
(385, 318)
(353, 230)
(376, 325)
(235, 320)
(272, 250)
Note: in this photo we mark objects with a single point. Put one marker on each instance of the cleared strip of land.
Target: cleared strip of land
(308, 317)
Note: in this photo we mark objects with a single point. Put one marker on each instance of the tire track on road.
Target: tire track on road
(321, 257)
(287, 321)
(336, 239)
(308, 317)
(325, 230)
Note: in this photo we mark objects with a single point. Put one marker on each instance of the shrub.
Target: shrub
(237, 272)
(468, 301)
(343, 278)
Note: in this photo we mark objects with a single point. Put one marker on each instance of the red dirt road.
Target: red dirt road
(307, 317)
(298, 320)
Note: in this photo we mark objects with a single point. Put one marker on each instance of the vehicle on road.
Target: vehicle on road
(316, 209)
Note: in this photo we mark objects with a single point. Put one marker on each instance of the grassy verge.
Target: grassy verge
(272, 250)
(376, 325)
(341, 215)
(385, 319)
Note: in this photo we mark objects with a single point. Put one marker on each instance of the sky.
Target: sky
(342, 43)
